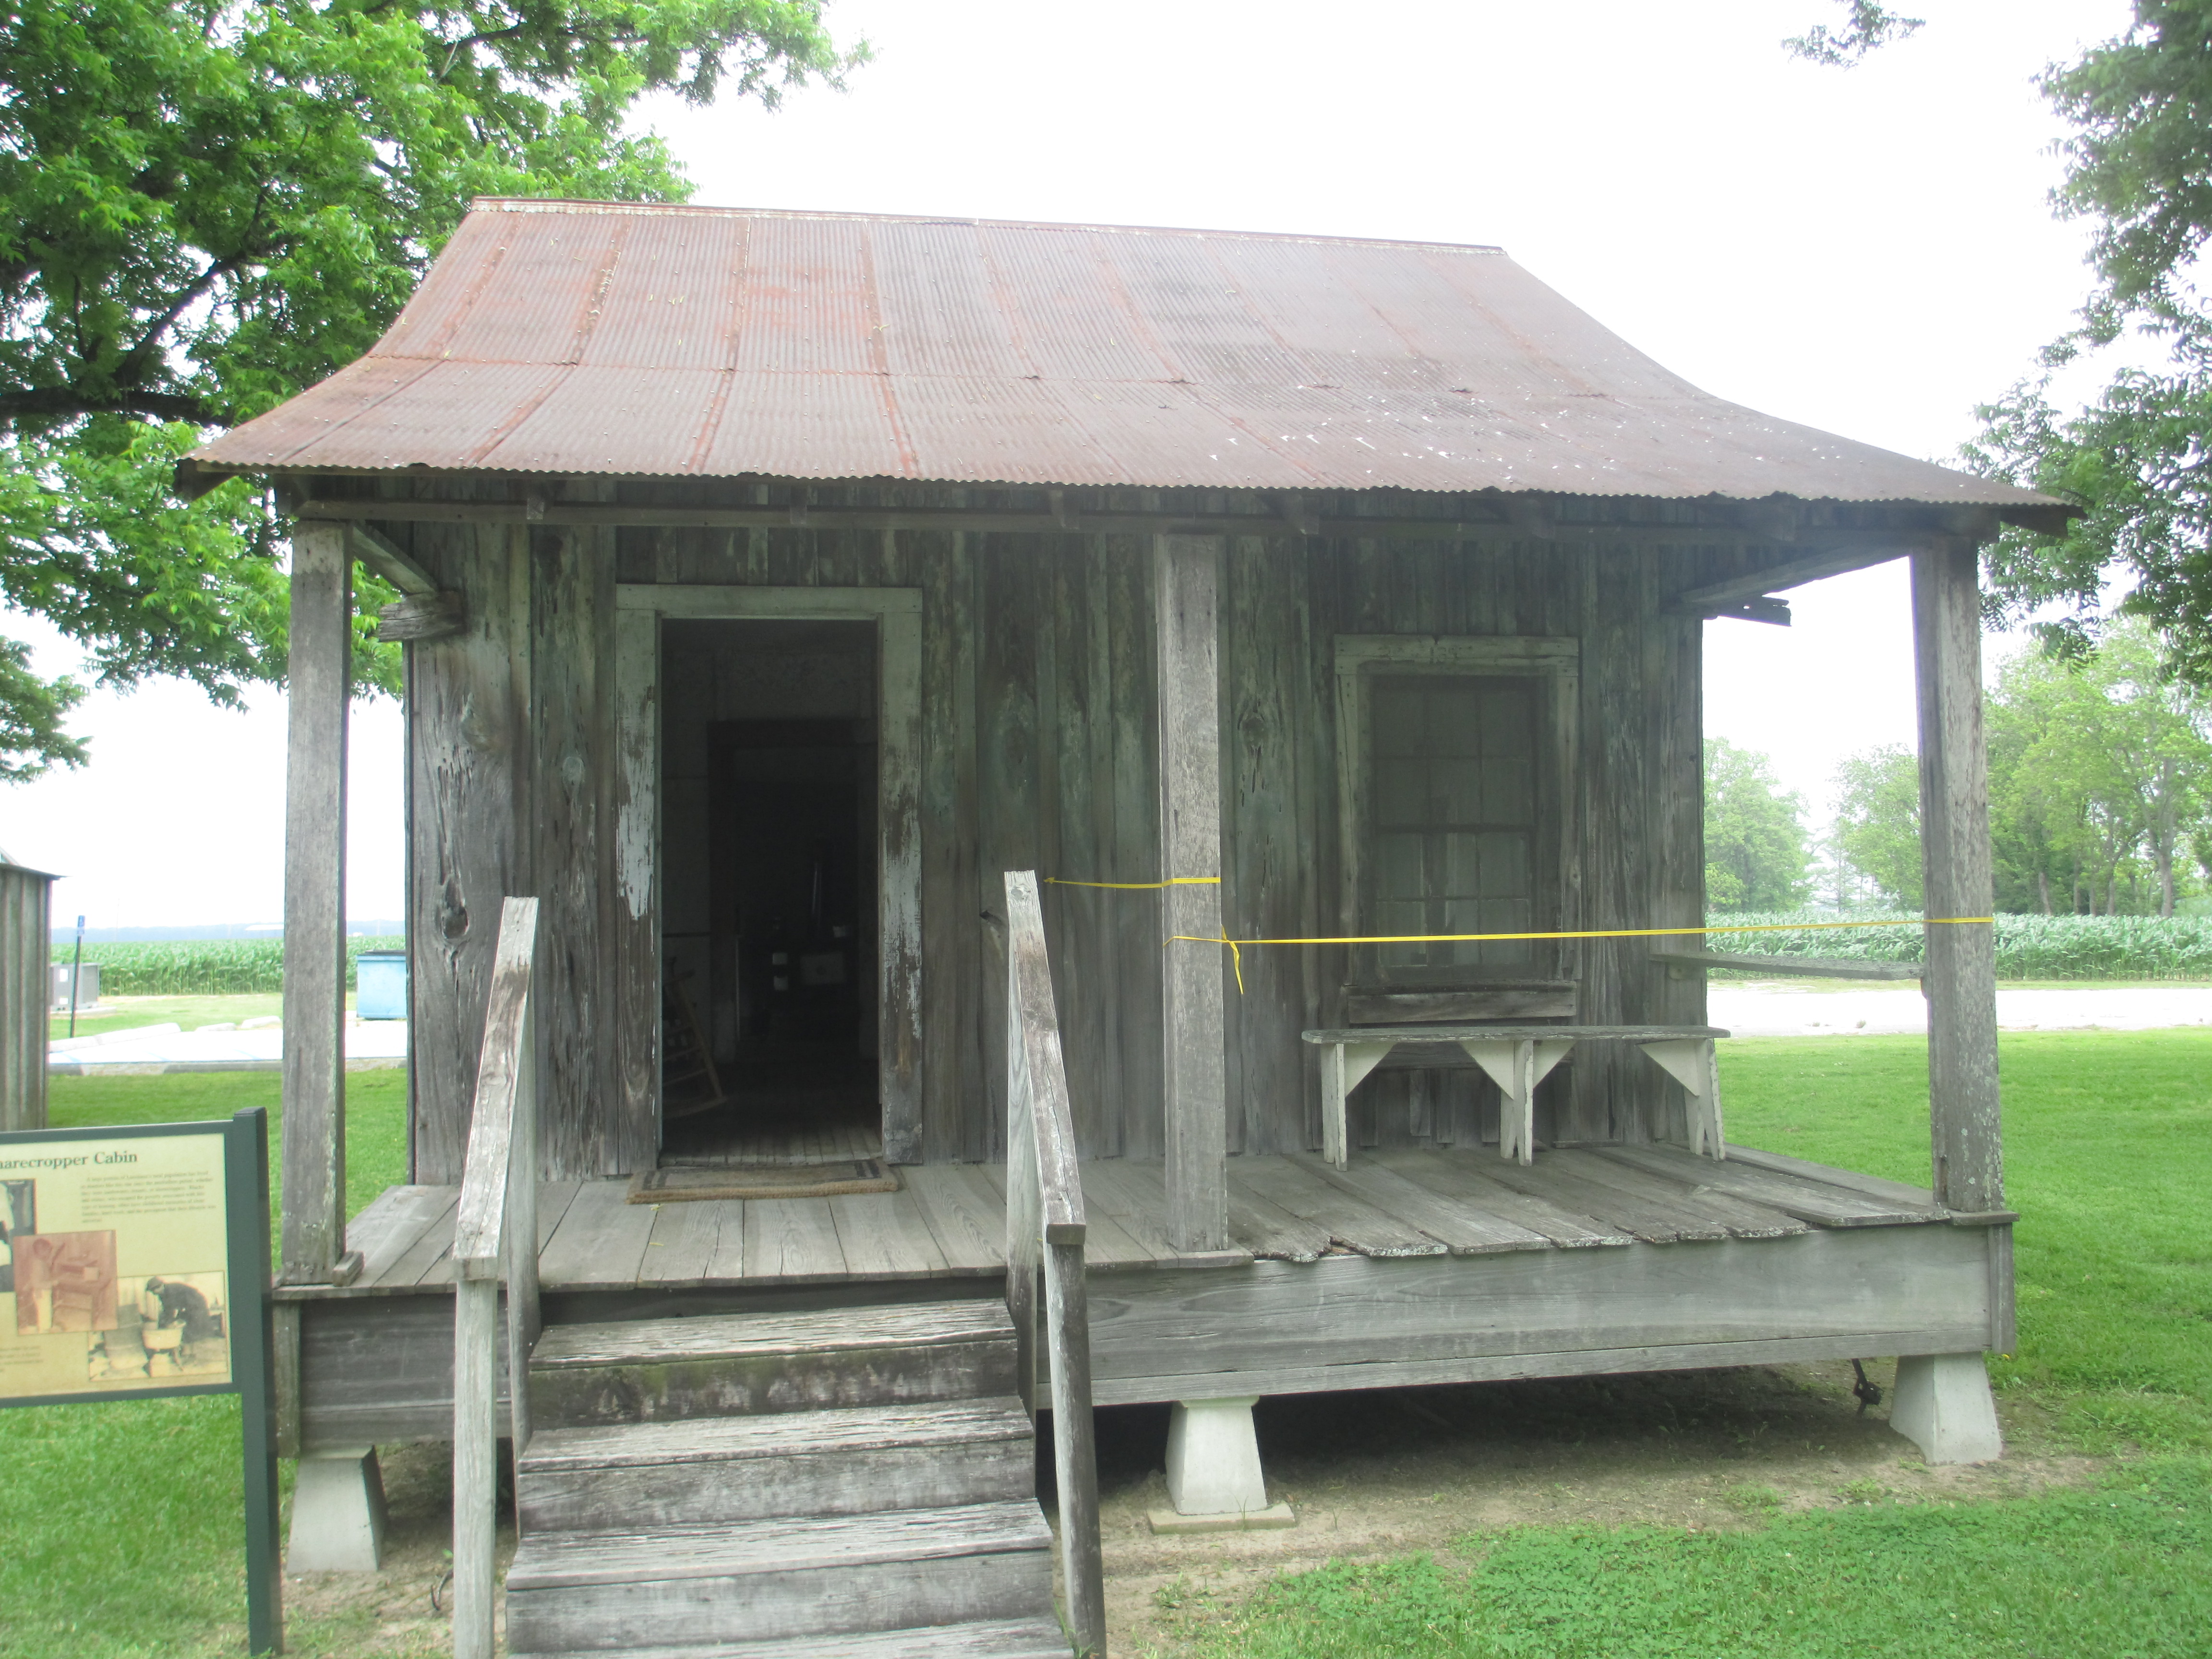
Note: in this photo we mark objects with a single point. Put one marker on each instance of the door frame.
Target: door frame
(639, 609)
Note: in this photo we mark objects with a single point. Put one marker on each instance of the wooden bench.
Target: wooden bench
(1517, 1058)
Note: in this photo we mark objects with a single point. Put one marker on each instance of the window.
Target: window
(1457, 766)
(1453, 817)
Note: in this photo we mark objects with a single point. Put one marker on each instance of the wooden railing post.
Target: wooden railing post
(523, 1317)
(476, 1467)
(1045, 1229)
(495, 1242)
(1024, 1214)
(1074, 1448)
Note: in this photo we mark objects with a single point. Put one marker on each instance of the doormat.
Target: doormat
(830, 1180)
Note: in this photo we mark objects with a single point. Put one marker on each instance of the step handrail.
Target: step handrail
(1044, 1242)
(494, 1243)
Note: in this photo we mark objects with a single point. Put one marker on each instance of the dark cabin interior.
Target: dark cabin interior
(770, 833)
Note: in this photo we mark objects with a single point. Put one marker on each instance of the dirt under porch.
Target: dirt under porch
(1410, 1266)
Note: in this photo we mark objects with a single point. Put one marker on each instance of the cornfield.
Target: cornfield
(226, 967)
(2028, 947)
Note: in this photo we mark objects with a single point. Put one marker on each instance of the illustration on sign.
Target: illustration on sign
(116, 1252)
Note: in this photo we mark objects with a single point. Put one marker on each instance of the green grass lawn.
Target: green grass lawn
(2108, 1159)
(2122, 1568)
(2108, 1143)
(126, 1531)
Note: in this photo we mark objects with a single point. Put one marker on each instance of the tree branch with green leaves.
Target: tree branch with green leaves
(1867, 28)
(212, 206)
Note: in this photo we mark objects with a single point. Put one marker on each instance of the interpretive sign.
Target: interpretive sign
(134, 1263)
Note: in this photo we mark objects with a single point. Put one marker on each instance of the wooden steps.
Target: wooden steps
(733, 1364)
(843, 1461)
(857, 1482)
(982, 1638)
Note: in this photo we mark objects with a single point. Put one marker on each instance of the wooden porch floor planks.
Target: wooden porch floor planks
(681, 1248)
(1463, 1178)
(1351, 1220)
(599, 1241)
(947, 1220)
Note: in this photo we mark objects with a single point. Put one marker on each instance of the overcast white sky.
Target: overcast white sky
(1870, 253)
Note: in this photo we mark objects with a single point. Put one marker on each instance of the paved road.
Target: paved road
(1793, 1010)
(150, 1049)
(1788, 1008)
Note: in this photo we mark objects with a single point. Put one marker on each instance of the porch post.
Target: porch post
(1187, 582)
(1961, 979)
(314, 1227)
(1943, 1402)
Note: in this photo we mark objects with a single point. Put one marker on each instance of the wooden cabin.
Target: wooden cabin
(775, 584)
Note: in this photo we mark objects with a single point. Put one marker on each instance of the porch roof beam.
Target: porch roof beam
(1835, 550)
(1829, 558)
(369, 546)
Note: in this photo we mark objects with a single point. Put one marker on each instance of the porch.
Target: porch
(1409, 1266)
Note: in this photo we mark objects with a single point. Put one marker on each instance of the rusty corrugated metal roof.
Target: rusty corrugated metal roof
(589, 338)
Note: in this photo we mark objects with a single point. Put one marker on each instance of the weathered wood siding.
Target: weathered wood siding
(470, 776)
(26, 990)
(1038, 712)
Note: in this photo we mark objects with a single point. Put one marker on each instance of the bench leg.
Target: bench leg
(1692, 1062)
(1332, 1113)
(1343, 1066)
(1516, 1068)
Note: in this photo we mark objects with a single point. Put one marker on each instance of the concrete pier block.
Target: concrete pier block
(1213, 1470)
(337, 1512)
(1942, 1404)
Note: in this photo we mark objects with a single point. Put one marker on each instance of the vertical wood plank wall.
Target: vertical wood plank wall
(26, 987)
(469, 794)
(1039, 750)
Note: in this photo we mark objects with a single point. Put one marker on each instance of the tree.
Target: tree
(2031, 843)
(31, 712)
(2139, 166)
(2137, 460)
(1878, 820)
(1756, 857)
(2103, 764)
(211, 204)
(1837, 884)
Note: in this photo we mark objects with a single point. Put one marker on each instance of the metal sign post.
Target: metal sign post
(137, 1258)
(76, 974)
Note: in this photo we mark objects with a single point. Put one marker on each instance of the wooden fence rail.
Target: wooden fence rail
(1044, 1243)
(495, 1242)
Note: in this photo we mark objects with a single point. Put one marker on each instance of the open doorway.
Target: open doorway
(769, 891)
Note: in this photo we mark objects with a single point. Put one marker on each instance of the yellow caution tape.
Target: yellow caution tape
(1132, 886)
(1237, 958)
(1236, 945)
(1596, 932)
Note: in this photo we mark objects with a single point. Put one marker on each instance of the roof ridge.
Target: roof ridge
(574, 205)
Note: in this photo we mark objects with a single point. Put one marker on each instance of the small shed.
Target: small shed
(25, 937)
(776, 584)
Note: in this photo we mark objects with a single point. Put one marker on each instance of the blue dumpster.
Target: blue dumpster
(380, 985)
